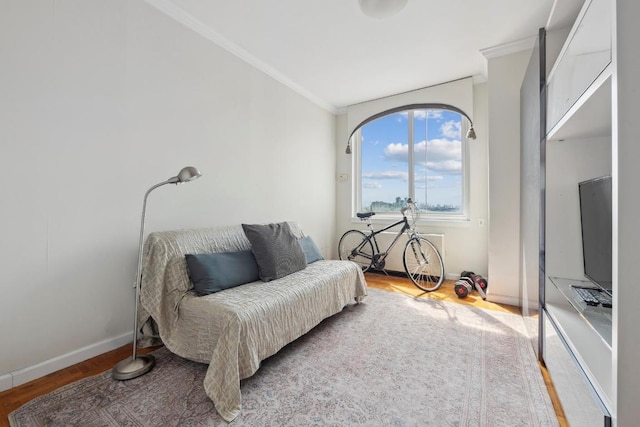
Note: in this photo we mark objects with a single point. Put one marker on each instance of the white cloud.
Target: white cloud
(451, 129)
(386, 175)
(397, 151)
(423, 114)
(441, 154)
(371, 184)
(447, 166)
(435, 114)
(437, 149)
(432, 178)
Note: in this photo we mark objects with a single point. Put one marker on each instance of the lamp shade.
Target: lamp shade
(471, 133)
(186, 174)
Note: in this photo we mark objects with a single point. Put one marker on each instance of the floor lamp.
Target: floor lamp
(137, 365)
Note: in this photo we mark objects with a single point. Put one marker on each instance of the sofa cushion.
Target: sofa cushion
(311, 251)
(214, 272)
(276, 250)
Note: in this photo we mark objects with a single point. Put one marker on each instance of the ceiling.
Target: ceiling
(333, 54)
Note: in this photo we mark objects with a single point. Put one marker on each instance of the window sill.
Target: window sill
(432, 221)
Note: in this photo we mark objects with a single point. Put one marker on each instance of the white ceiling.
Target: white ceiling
(336, 56)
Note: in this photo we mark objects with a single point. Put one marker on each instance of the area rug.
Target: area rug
(393, 360)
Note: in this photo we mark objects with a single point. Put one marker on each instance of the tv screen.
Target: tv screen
(595, 219)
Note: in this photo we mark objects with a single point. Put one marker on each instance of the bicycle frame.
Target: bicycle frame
(378, 256)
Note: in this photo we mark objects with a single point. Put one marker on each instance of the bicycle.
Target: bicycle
(422, 261)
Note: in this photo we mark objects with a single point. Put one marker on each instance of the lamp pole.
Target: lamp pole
(137, 365)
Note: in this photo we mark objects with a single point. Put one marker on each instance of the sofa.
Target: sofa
(234, 329)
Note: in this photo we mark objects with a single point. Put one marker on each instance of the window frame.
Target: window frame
(425, 218)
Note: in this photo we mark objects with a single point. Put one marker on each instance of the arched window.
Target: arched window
(418, 152)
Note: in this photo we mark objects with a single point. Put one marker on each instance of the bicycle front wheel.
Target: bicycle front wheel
(354, 246)
(423, 264)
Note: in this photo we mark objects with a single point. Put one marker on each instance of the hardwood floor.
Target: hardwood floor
(12, 399)
(445, 293)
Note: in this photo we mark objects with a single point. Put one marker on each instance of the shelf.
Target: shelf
(582, 65)
(586, 331)
(598, 318)
(590, 116)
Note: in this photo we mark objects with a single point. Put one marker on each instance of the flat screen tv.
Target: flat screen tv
(595, 220)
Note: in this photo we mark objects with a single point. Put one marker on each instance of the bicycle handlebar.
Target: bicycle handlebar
(410, 204)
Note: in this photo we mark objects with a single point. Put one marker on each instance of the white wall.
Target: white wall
(505, 78)
(465, 244)
(589, 158)
(101, 100)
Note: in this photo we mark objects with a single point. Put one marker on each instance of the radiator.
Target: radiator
(394, 259)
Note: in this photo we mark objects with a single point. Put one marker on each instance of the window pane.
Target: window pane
(438, 160)
(413, 153)
(385, 165)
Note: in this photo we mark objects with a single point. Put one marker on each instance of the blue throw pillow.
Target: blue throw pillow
(311, 251)
(211, 273)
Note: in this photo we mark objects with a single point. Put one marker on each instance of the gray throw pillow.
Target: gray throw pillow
(276, 250)
(311, 251)
(215, 272)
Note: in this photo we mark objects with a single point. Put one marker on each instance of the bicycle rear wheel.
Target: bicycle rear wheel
(354, 246)
(423, 264)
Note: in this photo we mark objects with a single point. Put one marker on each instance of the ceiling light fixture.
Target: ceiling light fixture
(380, 9)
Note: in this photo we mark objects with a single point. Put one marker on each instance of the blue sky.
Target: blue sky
(385, 167)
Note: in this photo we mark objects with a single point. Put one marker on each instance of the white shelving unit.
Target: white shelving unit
(591, 131)
(578, 341)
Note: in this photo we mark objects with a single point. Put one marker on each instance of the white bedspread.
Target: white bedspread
(235, 329)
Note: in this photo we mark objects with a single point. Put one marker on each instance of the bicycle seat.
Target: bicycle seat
(363, 215)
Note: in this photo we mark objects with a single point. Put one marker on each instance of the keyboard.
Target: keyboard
(593, 296)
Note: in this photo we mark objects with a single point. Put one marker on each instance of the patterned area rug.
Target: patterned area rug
(391, 361)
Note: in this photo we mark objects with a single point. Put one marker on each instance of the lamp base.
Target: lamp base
(131, 368)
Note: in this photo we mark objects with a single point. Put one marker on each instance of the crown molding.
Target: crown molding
(172, 10)
(508, 48)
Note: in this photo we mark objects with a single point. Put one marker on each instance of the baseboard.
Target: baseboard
(403, 274)
(30, 373)
(6, 382)
(503, 299)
